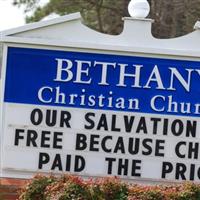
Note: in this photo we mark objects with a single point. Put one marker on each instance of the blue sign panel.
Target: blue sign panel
(102, 81)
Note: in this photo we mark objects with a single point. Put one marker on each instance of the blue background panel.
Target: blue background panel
(30, 69)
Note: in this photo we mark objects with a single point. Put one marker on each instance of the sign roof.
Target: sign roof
(69, 31)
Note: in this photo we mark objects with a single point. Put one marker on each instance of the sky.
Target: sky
(12, 16)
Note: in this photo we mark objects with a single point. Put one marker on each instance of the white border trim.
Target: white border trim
(92, 46)
(2, 89)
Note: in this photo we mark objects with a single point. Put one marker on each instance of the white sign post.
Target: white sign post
(75, 100)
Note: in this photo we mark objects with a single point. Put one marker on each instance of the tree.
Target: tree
(172, 18)
(101, 15)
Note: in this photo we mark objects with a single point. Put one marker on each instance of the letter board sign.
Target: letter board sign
(100, 113)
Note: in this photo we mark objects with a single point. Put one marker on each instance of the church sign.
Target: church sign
(132, 113)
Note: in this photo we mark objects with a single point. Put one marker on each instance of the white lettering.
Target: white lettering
(155, 77)
(60, 97)
(136, 76)
(61, 68)
(184, 83)
(80, 71)
(41, 92)
(104, 71)
(153, 103)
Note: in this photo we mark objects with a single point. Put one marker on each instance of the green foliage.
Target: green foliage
(113, 189)
(152, 195)
(35, 190)
(74, 191)
(74, 188)
(101, 15)
(137, 192)
(30, 4)
(172, 18)
(185, 191)
(67, 188)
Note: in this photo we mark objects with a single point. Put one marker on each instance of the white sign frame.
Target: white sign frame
(64, 34)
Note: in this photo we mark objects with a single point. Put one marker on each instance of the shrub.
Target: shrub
(137, 192)
(74, 188)
(68, 188)
(113, 188)
(35, 190)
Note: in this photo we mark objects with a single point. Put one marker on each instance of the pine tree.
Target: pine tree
(172, 18)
